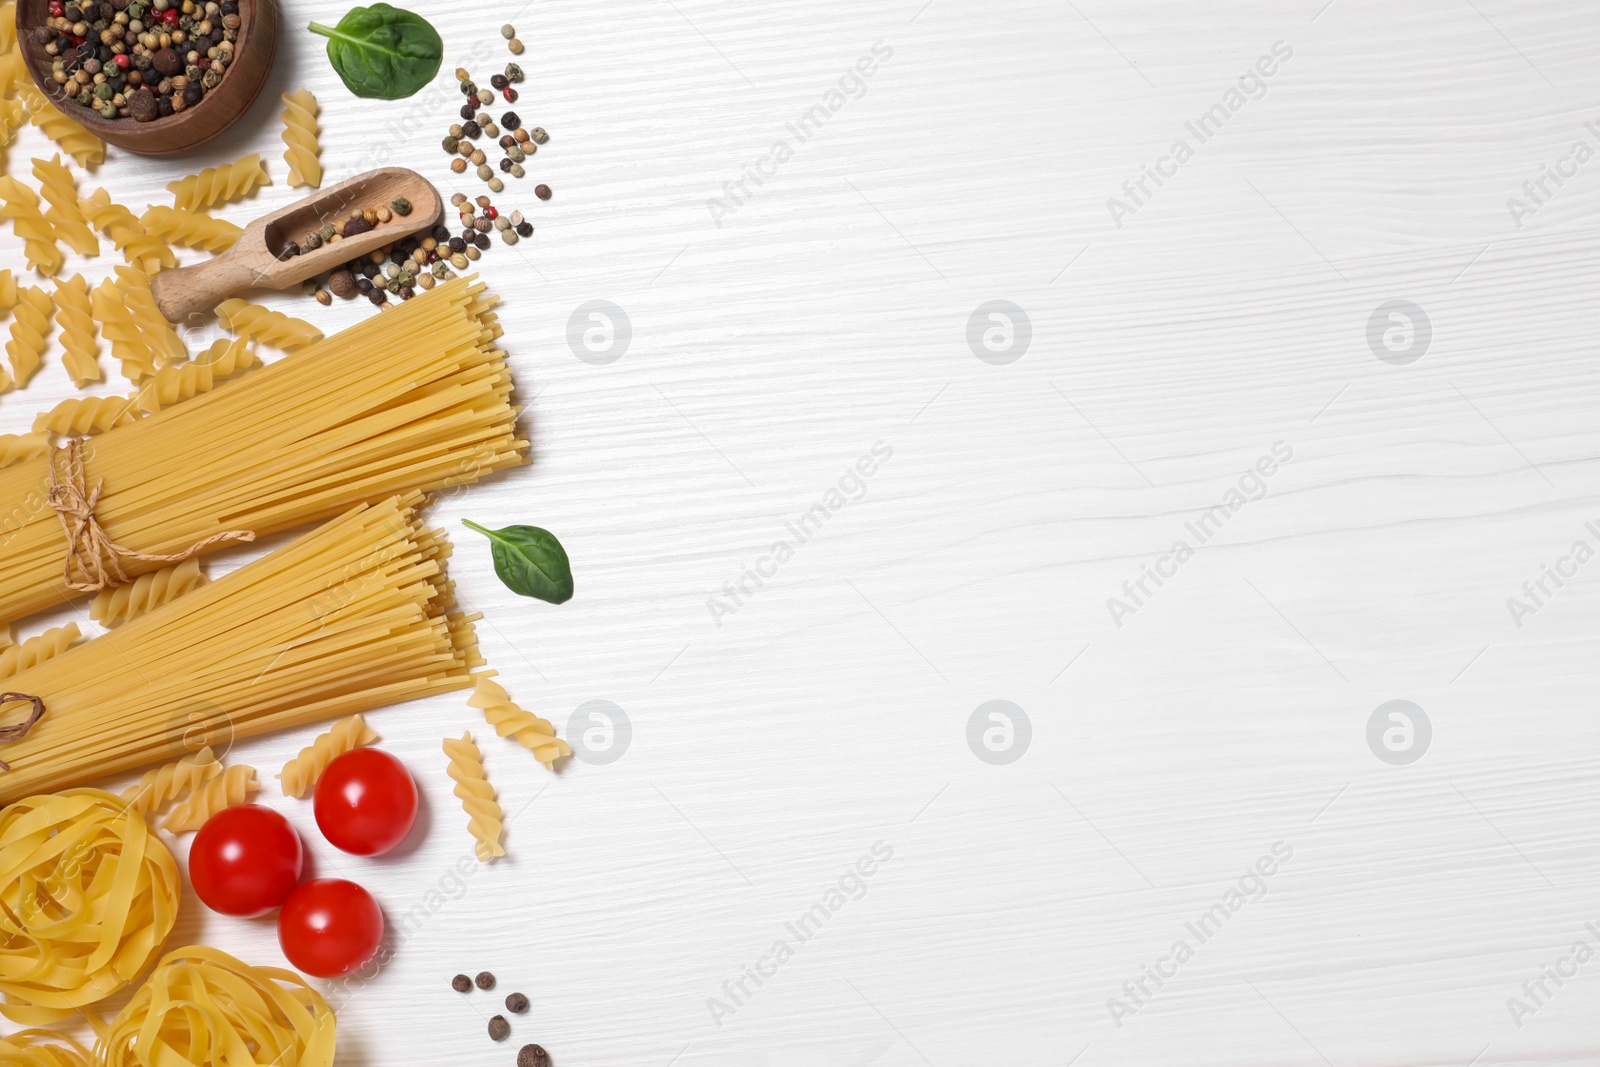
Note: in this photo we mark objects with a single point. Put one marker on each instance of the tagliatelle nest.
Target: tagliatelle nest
(87, 895)
(203, 1008)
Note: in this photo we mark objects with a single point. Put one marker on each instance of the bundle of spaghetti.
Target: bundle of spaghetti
(15, 447)
(79, 342)
(21, 206)
(162, 339)
(74, 140)
(40, 1048)
(88, 894)
(532, 733)
(35, 650)
(416, 398)
(174, 780)
(113, 607)
(64, 215)
(117, 325)
(82, 416)
(149, 253)
(346, 735)
(256, 323)
(226, 357)
(352, 616)
(203, 1008)
(191, 229)
(216, 185)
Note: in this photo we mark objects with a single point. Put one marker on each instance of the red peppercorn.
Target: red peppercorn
(433, 257)
(122, 60)
(56, 10)
(510, 94)
(170, 16)
(75, 39)
(204, 63)
(491, 212)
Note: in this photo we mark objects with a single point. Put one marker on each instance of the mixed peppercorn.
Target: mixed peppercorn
(517, 142)
(141, 59)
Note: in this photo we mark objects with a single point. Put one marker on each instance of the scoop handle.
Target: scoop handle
(184, 291)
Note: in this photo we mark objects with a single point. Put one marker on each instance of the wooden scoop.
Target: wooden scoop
(254, 262)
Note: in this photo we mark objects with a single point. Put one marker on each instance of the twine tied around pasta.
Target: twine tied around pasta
(94, 560)
(17, 731)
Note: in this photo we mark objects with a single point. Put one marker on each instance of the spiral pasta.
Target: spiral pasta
(222, 184)
(257, 323)
(79, 341)
(74, 140)
(158, 333)
(113, 607)
(128, 345)
(64, 215)
(202, 1007)
(226, 356)
(39, 1048)
(300, 139)
(8, 290)
(231, 788)
(302, 772)
(139, 247)
(8, 25)
(532, 733)
(38, 237)
(168, 783)
(35, 650)
(30, 326)
(88, 895)
(16, 447)
(84, 416)
(191, 229)
(485, 820)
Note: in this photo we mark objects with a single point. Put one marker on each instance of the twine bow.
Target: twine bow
(94, 560)
(17, 731)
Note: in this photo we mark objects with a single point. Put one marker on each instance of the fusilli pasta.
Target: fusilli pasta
(35, 650)
(230, 789)
(225, 357)
(532, 733)
(257, 323)
(217, 185)
(300, 137)
(191, 229)
(485, 819)
(128, 345)
(30, 325)
(302, 772)
(8, 25)
(169, 783)
(21, 206)
(84, 416)
(74, 140)
(14, 448)
(8, 291)
(79, 341)
(140, 248)
(158, 332)
(63, 214)
(113, 607)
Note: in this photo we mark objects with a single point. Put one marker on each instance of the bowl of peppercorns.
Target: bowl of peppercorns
(152, 76)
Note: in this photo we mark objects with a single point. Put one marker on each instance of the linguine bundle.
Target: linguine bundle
(418, 397)
(203, 1008)
(88, 894)
(350, 617)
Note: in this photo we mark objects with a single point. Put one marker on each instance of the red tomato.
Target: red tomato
(366, 802)
(245, 861)
(330, 927)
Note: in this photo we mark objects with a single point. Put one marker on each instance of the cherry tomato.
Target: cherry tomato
(245, 861)
(330, 927)
(366, 802)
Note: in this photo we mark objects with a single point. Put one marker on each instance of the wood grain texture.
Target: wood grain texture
(829, 311)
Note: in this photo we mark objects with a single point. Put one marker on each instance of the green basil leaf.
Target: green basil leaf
(530, 561)
(382, 52)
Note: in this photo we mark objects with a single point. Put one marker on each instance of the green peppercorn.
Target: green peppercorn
(400, 206)
(517, 171)
(496, 184)
(450, 145)
(515, 154)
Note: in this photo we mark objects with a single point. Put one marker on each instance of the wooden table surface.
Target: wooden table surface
(1195, 380)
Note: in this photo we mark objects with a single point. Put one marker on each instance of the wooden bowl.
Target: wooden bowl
(218, 110)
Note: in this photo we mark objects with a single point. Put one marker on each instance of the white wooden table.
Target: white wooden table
(929, 280)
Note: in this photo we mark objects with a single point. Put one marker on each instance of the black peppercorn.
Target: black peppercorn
(516, 1003)
(481, 240)
(471, 130)
(377, 296)
(406, 292)
(524, 229)
(507, 141)
(457, 244)
(461, 984)
(485, 980)
(533, 1056)
(440, 233)
(164, 107)
(542, 192)
(499, 81)
(468, 110)
(499, 1029)
(288, 251)
(506, 164)
(364, 285)
(511, 120)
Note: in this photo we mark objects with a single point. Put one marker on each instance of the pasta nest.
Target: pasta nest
(87, 895)
(40, 1048)
(204, 1008)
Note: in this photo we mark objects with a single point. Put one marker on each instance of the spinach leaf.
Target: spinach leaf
(382, 52)
(530, 561)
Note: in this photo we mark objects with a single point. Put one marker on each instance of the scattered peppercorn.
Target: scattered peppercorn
(515, 46)
(450, 144)
(496, 184)
(542, 192)
(355, 226)
(525, 229)
(499, 1029)
(485, 980)
(508, 31)
(539, 135)
(499, 81)
(458, 164)
(469, 109)
(513, 73)
(511, 120)
(471, 130)
(516, 1003)
(343, 284)
(533, 1056)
